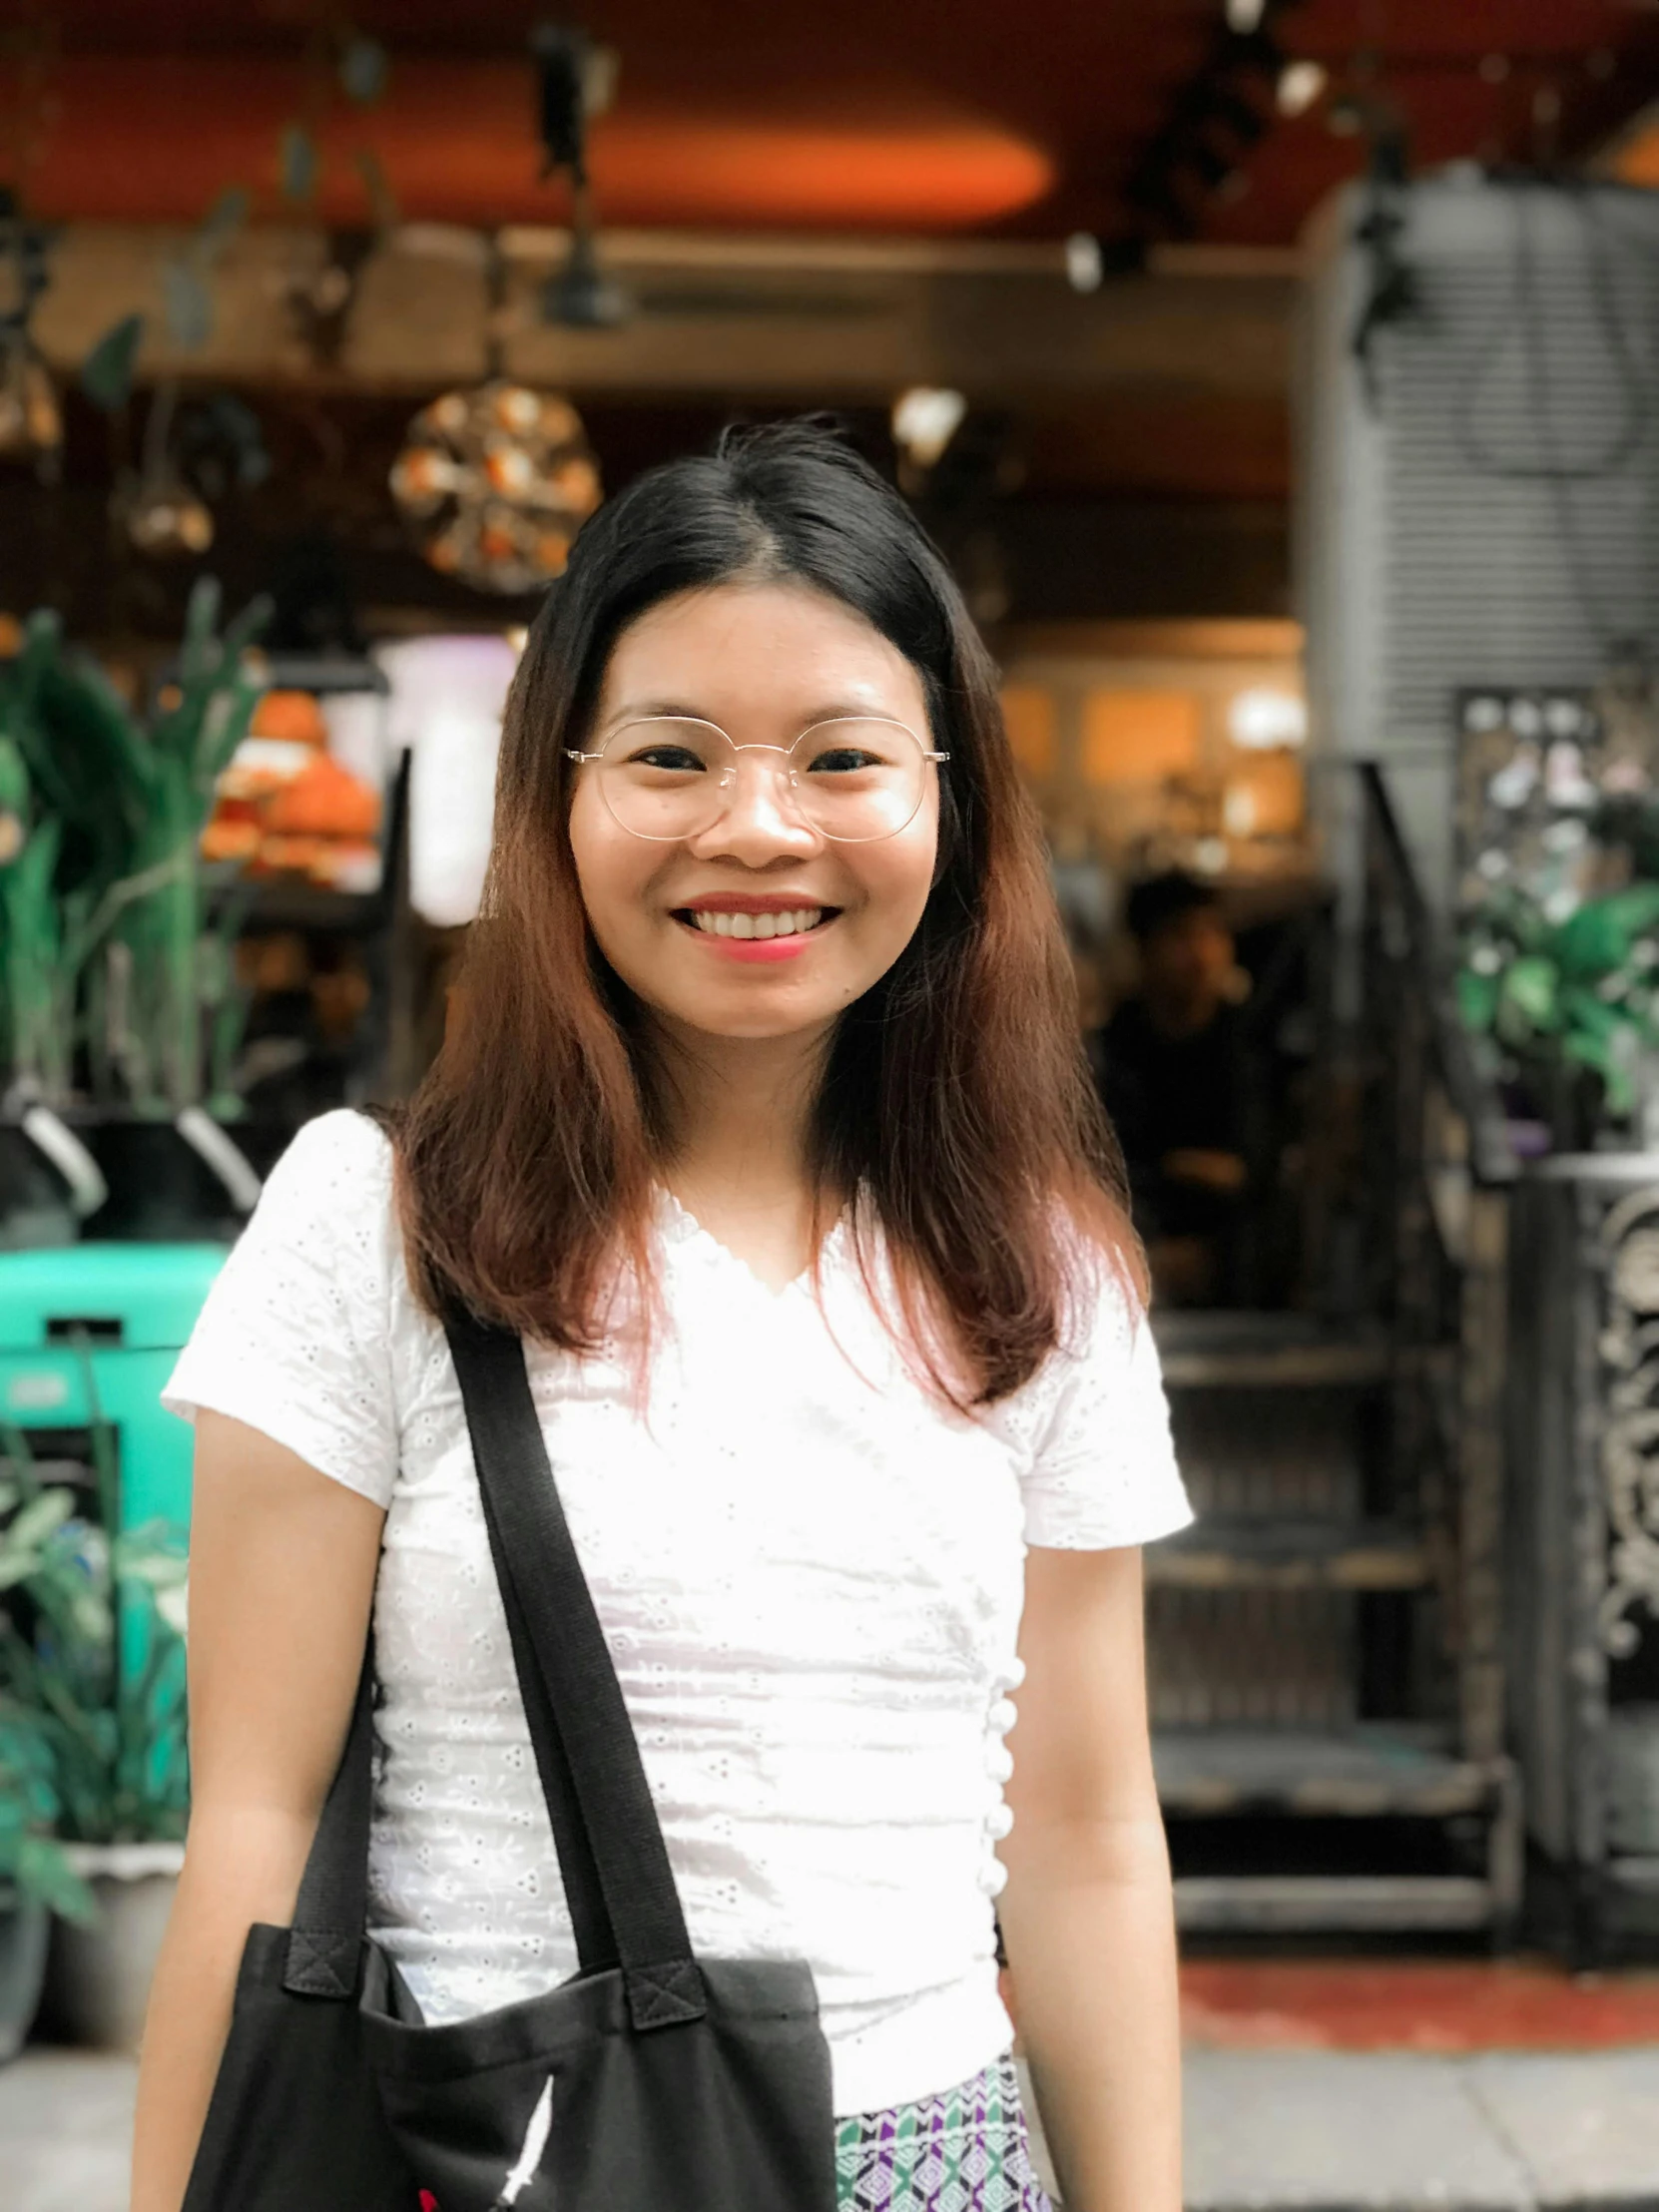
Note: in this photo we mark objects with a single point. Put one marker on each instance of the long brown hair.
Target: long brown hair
(954, 1113)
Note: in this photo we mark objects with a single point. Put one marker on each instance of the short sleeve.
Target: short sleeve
(296, 1336)
(1102, 1469)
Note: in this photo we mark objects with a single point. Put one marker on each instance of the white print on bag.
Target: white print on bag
(529, 2158)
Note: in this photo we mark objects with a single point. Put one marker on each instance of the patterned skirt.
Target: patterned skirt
(964, 2151)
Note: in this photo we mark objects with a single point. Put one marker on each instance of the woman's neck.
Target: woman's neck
(742, 1108)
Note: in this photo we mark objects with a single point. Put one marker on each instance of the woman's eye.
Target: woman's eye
(839, 762)
(676, 757)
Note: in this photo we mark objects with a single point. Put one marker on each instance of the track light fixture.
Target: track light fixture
(576, 79)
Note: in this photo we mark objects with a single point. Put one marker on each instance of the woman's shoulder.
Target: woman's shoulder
(1102, 1317)
(343, 1160)
(1094, 1421)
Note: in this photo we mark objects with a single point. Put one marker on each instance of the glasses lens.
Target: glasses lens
(859, 781)
(664, 778)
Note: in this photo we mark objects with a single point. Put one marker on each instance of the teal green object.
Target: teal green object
(137, 1305)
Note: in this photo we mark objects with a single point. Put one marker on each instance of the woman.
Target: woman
(761, 1116)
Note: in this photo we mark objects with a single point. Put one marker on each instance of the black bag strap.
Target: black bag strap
(573, 1670)
(326, 1933)
(624, 1907)
(596, 1946)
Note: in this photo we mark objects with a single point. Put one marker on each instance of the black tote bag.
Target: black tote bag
(651, 2081)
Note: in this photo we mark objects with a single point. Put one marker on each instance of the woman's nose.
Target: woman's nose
(761, 817)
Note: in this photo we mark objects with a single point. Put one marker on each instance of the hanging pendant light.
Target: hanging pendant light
(496, 482)
(31, 422)
(30, 419)
(162, 513)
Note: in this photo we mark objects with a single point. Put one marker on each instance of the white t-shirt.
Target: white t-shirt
(809, 1572)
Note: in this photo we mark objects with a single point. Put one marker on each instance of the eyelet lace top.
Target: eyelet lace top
(810, 1571)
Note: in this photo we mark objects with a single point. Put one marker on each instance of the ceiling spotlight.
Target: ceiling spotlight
(924, 421)
(1300, 85)
(1085, 264)
(1244, 16)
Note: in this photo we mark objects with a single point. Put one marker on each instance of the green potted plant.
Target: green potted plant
(92, 1662)
(36, 1875)
(1570, 1007)
(118, 966)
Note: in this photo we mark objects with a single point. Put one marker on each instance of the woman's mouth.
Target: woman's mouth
(744, 932)
(794, 921)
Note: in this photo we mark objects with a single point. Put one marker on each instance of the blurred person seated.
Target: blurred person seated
(1173, 1073)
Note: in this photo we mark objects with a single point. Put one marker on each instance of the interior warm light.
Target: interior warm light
(930, 175)
(1300, 85)
(1637, 159)
(457, 140)
(924, 421)
(1244, 16)
(31, 423)
(1085, 263)
(1263, 718)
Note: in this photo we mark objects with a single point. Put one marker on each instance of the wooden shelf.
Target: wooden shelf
(1220, 1555)
(1359, 1772)
(302, 907)
(1256, 1352)
(1353, 1903)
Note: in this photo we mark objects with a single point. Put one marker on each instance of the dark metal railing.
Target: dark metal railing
(1395, 902)
(1436, 1175)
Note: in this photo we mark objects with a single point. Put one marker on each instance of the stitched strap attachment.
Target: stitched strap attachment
(321, 1964)
(666, 1996)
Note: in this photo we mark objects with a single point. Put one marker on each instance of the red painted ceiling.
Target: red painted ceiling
(947, 115)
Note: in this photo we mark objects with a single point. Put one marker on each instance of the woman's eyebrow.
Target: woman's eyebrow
(652, 709)
(850, 710)
(655, 710)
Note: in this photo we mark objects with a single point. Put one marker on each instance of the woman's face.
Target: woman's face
(764, 662)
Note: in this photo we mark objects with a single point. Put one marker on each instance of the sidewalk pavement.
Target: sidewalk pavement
(1307, 2130)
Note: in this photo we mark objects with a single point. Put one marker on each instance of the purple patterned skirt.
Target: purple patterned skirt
(966, 2150)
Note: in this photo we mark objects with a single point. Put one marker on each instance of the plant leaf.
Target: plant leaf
(107, 371)
(44, 1872)
(299, 163)
(40, 1519)
(221, 224)
(187, 306)
(362, 70)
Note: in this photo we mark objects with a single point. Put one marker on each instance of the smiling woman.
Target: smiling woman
(763, 1124)
(747, 606)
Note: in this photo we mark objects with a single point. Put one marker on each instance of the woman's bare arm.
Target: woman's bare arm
(281, 1577)
(1087, 1916)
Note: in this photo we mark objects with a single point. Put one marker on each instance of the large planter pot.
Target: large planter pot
(98, 1977)
(170, 1181)
(35, 1204)
(25, 1929)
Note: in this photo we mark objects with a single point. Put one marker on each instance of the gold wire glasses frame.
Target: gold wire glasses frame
(853, 778)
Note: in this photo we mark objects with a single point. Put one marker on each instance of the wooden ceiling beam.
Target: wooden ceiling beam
(1000, 325)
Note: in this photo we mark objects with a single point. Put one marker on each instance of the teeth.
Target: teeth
(789, 925)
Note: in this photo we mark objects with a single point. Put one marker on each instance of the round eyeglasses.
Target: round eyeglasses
(852, 780)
